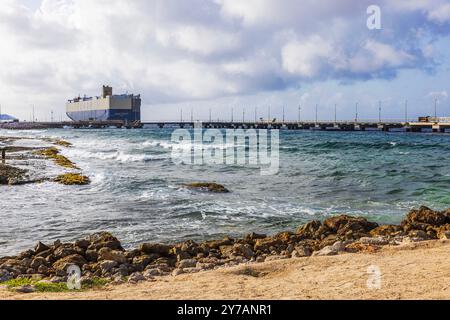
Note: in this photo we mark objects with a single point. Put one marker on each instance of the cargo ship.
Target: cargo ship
(107, 107)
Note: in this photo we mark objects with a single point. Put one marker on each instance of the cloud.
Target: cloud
(173, 51)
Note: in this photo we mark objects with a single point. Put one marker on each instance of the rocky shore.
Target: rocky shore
(101, 256)
(28, 160)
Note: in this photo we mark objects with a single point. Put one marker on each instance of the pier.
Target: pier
(430, 125)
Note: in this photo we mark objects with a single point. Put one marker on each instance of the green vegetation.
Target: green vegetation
(40, 286)
(53, 153)
(71, 179)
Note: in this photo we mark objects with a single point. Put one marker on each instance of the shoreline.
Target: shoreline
(105, 264)
(415, 271)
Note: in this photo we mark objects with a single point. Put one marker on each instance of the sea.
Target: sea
(137, 190)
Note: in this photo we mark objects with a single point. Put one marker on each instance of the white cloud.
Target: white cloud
(172, 51)
(306, 58)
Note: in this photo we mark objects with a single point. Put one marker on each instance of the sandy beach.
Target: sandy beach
(410, 271)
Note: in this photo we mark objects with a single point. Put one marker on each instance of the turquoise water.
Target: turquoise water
(135, 191)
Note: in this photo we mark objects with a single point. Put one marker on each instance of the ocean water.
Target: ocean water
(136, 194)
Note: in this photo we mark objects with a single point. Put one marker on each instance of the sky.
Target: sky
(231, 58)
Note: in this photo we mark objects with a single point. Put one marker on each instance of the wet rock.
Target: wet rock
(73, 179)
(136, 277)
(11, 175)
(112, 255)
(40, 247)
(206, 186)
(152, 248)
(26, 289)
(189, 263)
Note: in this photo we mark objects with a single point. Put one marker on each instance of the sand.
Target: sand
(412, 271)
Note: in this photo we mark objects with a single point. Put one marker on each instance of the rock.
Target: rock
(40, 247)
(377, 241)
(44, 270)
(5, 276)
(386, 231)
(216, 244)
(189, 263)
(27, 254)
(177, 272)
(26, 289)
(150, 273)
(104, 240)
(255, 236)
(150, 248)
(309, 230)
(26, 262)
(112, 255)
(106, 266)
(302, 251)
(445, 235)
(243, 249)
(64, 263)
(183, 256)
(331, 250)
(72, 179)
(349, 227)
(141, 262)
(133, 254)
(84, 243)
(37, 262)
(64, 251)
(264, 245)
(327, 251)
(425, 215)
(210, 187)
(11, 175)
(136, 277)
(205, 266)
(91, 255)
(419, 234)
